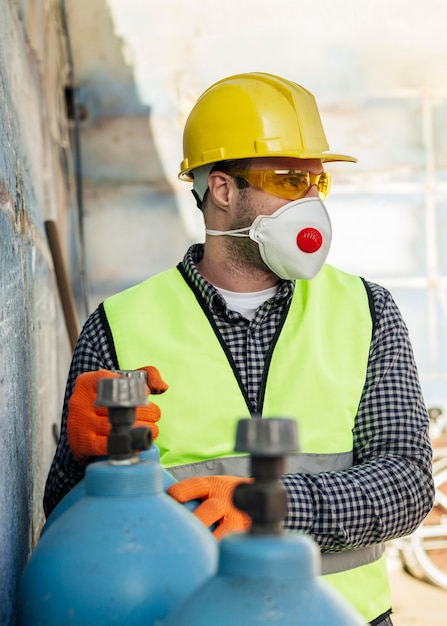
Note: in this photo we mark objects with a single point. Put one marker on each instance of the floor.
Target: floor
(415, 602)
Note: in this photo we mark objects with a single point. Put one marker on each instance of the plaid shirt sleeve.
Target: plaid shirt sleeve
(389, 490)
(92, 352)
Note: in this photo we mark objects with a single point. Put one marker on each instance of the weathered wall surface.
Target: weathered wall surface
(132, 223)
(131, 228)
(34, 349)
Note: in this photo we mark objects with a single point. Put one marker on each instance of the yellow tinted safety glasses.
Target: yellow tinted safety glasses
(289, 184)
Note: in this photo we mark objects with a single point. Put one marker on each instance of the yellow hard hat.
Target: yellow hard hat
(254, 115)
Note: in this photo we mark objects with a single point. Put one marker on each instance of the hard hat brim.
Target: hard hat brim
(327, 158)
(185, 174)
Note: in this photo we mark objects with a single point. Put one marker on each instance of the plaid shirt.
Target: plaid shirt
(388, 490)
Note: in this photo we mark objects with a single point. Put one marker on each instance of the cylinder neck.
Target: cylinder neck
(104, 479)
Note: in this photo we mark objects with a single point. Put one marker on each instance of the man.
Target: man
(253, 323)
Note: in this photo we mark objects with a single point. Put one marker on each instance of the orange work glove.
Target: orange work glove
(216, 508)
(88, 425)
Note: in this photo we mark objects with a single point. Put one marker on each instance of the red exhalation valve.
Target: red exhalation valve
(309, 240)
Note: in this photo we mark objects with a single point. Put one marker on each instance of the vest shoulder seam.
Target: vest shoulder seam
(371, 304)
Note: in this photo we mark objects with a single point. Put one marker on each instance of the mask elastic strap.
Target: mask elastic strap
(232, 233)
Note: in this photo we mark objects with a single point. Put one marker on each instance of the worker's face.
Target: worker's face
(253, 201)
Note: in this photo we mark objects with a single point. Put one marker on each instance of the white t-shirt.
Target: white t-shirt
(247, 303)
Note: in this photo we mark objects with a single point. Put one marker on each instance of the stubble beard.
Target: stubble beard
(243, 252)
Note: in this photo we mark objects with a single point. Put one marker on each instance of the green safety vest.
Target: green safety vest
(314, 373)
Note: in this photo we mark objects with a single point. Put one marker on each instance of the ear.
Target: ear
(220, 186)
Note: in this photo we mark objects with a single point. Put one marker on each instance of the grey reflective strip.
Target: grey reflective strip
(231, 466)
(316, 463)
(334, 562)
(305, 463)
(240, 465)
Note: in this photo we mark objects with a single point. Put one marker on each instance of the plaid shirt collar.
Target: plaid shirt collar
(211, 296)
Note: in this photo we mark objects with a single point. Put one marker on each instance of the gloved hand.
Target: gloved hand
(217, 507)
(88, 425)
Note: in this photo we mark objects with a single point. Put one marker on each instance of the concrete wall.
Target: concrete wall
(116, 227)
(132, 224)
(34, 348)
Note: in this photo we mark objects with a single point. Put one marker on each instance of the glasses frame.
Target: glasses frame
(265, 180)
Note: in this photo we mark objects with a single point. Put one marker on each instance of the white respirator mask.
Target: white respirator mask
(294, 241)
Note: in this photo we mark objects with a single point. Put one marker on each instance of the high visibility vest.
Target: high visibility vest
(314, 373)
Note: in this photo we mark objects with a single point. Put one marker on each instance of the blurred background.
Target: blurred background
(379, 76)
(93, 98)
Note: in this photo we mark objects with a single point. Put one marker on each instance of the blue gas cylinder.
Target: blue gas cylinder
(124, 553)
(78, 491)
(271, 580)
(265, 576)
